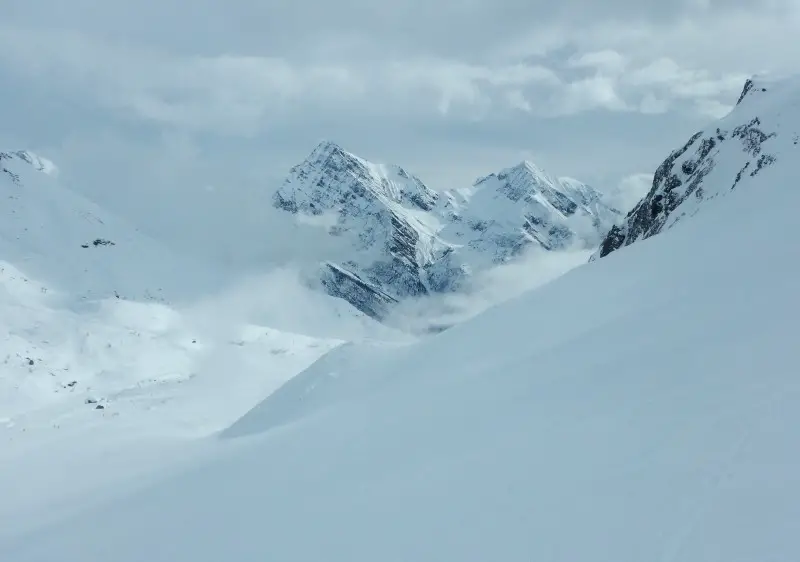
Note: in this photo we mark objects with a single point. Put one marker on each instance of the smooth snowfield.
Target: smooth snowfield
(644, 407)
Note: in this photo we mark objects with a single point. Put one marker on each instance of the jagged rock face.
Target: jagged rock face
(331, 178)
(400, 239)
(381, 214)
(711, 163)
(346, 285)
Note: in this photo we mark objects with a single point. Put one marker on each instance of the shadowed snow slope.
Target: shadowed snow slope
(642, 407)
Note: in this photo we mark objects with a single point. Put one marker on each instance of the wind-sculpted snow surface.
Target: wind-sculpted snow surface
(399, 239)
(726, 156)
(642, 407)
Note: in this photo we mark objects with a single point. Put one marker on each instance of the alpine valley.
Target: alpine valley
(644, 406)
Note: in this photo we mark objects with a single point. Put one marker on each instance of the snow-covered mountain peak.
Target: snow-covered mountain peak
(38, 163)
(328, 154)
(507, 211)
(528, 182)
(331, 178)
(326, 148)
(533, 170)
(762, 129)
(381, 219)
(776, 87)
(399, 238)
(526, 168)
(519, 181)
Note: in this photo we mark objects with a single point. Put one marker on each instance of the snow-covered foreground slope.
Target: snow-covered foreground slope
(642, 407)
(112, 387)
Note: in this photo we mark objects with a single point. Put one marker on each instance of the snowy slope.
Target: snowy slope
(120, 385)
(128, 356)
(397, 238)
(651, 412)
(74, 246)
(729, 155)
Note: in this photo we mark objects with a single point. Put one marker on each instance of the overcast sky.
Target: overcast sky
(182, 96)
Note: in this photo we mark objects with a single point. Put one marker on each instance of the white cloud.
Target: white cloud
(652, 104)
(714, 109)
(607, 61)
(597, 92)
(240, 94)
(224, 93)
(631, 189)
(517, 100)
(489, 288)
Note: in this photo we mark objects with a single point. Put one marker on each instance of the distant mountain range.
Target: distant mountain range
(398, 238)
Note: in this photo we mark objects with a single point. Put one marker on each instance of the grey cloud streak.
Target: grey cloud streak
(455, 28)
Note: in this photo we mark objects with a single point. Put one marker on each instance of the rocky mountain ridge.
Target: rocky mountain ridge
(398, 238)
(715, 161)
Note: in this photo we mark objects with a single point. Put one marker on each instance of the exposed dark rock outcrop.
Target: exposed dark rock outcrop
(683, 178)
